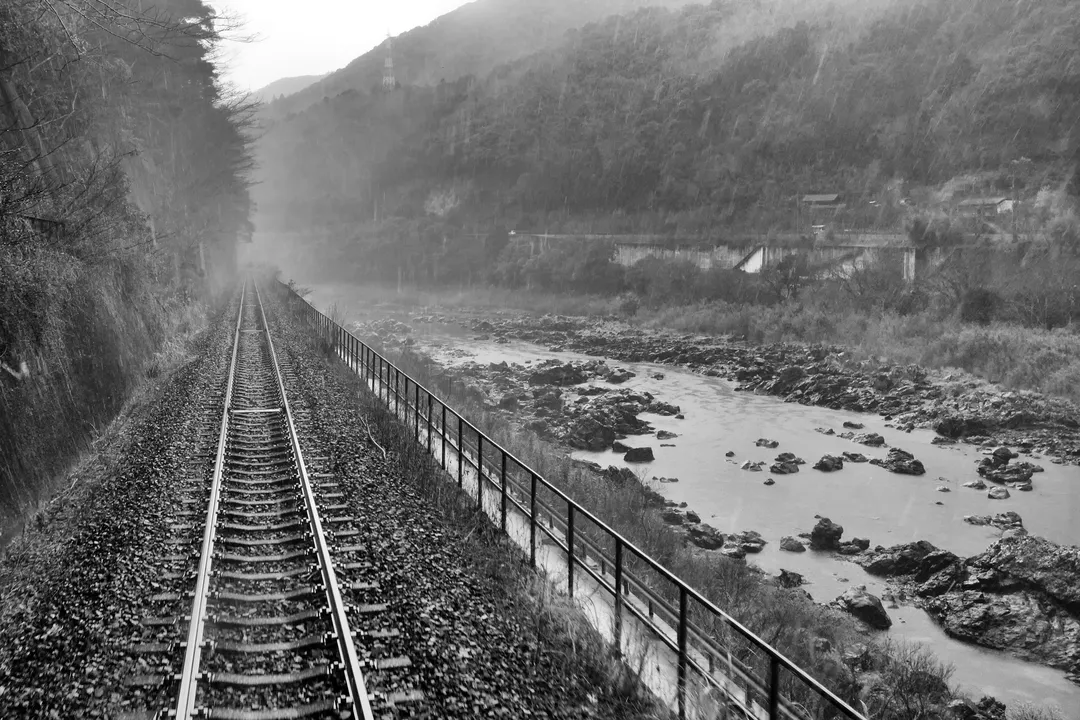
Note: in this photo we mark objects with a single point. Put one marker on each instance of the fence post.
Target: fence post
(460, 454)
(570, 548)
(416, 406)
(397, 393)
(774, 687)
(532, 519)
(429, 426)
(480, 469)
(503, 481)
(682, 651)
(618, 595)
(442, 434)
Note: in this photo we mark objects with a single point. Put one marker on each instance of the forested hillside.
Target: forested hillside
(707, 116)
(284, 87)
(468, 41)
(123, 191)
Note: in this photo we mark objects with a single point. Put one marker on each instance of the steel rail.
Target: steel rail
(361, 705)
(193, 650)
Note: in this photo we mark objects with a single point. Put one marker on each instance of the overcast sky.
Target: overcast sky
(311, 37)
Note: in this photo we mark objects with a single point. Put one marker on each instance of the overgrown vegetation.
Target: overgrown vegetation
(121, 194)
(704, 121)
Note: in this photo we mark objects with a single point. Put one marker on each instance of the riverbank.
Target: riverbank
(1018, 358)
(625, 407)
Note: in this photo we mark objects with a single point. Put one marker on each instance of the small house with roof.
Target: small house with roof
(983, 207)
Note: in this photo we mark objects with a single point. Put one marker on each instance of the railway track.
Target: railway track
(284, 615)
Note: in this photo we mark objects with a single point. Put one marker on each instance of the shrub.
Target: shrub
(980, 305)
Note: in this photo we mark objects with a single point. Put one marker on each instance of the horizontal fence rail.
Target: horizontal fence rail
(719, 663)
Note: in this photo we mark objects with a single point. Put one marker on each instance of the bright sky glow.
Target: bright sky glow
(312, 37)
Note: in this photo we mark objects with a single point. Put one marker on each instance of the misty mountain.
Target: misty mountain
(468, 41)
(682, 120)
(285, 87)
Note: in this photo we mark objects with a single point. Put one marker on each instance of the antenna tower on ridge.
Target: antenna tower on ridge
(388, 81)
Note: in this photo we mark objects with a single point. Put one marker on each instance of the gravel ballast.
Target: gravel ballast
(482, 638)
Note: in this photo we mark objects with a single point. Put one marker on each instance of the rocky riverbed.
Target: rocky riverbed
(956, 406)
(594, 405)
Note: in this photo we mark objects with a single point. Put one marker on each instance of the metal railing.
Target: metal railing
(719, 663)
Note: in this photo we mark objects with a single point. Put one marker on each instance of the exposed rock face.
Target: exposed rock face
(639, 454)
(900, 461)
(865, 607)
(1021, 595)
(826, 535)
(829, 463)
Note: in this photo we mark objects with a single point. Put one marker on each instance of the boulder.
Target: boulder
(558, 374)
(769, 481)
(732, 551)
(749, 541)
(998, 493)
(826, 535)
(855, 457)
(975, 485)
(869, 439)
(829, 463)
(705, 536)
(906, 559)
(639, 454)
(619, 375)
(619, 446)
(665, 435)
(853, 425)
(752, 466)
(766, 443)
(790, 544)
(729, 453)
(901, 462)
(672, 517)
(943, 488)
(784, 468)
(1005, 454)
(789, 579)
(865, 607)
(588, 433)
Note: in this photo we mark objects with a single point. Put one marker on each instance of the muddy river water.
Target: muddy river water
(868, 501)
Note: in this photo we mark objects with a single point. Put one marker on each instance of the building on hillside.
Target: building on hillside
(823, 202)
(984, 207)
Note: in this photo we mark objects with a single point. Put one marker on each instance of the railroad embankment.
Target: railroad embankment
(485, 635)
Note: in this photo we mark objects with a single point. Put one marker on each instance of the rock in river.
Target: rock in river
(826, 535)
(706, 536)
(998, 493)
(766, 443)
(865, 606)
(791, 544)
(900, 461)
(639, 454)
(829, 463)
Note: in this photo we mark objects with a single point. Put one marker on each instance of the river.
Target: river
(868, 501)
